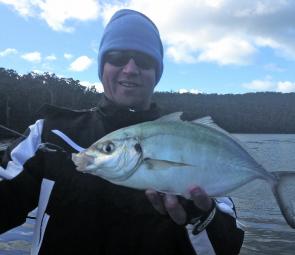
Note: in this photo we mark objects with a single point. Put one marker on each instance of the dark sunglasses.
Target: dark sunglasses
(121, 58)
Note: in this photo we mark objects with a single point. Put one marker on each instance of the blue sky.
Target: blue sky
(211, 46)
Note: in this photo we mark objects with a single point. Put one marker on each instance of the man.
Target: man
(83, 214)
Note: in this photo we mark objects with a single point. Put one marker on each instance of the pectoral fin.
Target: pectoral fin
(155, 164)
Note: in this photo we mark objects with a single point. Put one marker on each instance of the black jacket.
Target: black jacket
(84, 214)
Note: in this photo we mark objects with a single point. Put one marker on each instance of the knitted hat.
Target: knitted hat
(131, 30)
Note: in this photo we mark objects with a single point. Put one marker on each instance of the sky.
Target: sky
(210, 46)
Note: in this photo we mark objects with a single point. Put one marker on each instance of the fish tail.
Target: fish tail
(283, 189)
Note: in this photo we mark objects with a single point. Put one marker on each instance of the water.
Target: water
(18, 240)
(266, 230)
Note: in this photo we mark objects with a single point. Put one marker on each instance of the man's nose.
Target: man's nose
(131, 67)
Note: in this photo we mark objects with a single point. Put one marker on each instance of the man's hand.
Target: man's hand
(171, 205)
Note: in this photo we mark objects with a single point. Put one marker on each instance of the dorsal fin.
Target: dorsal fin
(208, 121)
(175, 116)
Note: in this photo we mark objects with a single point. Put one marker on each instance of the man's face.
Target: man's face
(129, 79)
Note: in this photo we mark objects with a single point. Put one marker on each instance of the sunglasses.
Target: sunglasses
(121, 58)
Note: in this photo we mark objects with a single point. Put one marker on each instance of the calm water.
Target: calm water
(266, 231)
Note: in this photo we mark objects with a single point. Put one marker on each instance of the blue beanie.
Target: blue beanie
(131, 30)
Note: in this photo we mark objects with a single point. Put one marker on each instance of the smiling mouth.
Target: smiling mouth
(128, 84)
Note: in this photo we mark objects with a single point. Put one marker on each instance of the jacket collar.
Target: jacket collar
(109, 108)
(124, 116)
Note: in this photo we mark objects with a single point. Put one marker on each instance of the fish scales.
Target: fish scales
(194, 147)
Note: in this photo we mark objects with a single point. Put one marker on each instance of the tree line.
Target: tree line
(22, 95)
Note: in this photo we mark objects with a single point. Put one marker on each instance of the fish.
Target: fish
(171, 155)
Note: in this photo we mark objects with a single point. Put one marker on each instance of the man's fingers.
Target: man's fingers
(201, 199)
(175, 209)
(156, 200)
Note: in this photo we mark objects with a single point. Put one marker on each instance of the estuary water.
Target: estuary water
(266, 231)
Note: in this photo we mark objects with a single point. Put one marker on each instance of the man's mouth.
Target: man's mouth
(128, 84)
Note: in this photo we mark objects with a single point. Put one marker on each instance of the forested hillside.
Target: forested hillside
(22, 95)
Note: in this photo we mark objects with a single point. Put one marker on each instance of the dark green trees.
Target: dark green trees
(22, 95)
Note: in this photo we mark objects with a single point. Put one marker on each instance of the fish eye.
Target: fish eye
(108, 147)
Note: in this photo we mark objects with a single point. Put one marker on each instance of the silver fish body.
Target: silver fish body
(170, 155)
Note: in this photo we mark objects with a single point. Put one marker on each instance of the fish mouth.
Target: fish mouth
(83, 162)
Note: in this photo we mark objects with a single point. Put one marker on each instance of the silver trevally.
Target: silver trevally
(171, 156)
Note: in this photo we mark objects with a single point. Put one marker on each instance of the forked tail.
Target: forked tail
(284, 192)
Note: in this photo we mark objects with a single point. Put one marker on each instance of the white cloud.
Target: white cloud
(23, 7)
(192, 91)
(286, 86)
(57, 12)
(32, 56)
(267, 42)
(220, 31)
(268, 84)
(68, 56)
(98, 86)
(228, 50)
(51, 57)
(180, 53)
(8, 51)
(81, 64)
(260, 85)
